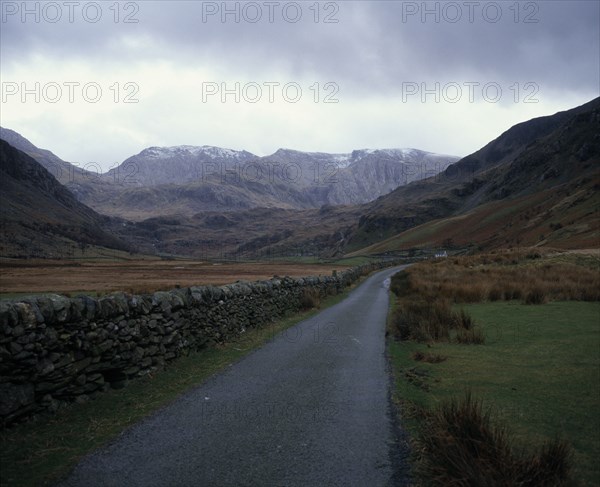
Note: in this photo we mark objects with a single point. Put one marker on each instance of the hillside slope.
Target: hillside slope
(39, 217)
(519, 189)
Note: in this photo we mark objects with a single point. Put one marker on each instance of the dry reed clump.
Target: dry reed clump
(310, 298)
(459, 445)
(431, 358)
(427, 290)
(422, 316)
(479, 278)
(474, 336)
(495, 294)
(432, 321)
(536, 296)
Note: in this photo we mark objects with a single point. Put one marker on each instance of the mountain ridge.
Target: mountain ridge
(529, 157)
(535, 184)
(39, 217)
(184, 180)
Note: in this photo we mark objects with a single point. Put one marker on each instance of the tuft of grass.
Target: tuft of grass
(418, 356)
(310, 299)
(427, 320)
(538, 372)
(464, 321)
(473, 336)
(496, 294)
(536, 296)
(431, 358)
(460, 445)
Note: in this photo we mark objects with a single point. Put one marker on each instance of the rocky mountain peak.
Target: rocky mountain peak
(204, 151)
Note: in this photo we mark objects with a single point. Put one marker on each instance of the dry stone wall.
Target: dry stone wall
(55, 350)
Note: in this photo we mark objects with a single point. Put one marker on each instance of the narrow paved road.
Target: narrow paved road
(310, 408)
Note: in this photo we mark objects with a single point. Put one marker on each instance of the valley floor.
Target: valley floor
(138, 276)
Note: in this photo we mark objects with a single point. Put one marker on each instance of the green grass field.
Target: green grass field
(539, 371)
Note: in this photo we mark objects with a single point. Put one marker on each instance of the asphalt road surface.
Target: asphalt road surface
(310, 408)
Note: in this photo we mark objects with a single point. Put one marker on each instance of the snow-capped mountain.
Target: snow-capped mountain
(363, 174)
(375, 172)
(180, 164)
(188, 179)
(194, 151)
(358, 176)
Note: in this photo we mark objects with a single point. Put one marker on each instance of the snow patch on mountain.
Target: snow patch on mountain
(195, 151)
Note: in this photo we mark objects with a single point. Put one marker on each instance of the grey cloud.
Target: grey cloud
(370, 52)
(375, 45)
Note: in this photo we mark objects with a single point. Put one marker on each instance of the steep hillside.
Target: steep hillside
(183, 201)
(252, 233)
(38, 216)
(566, 217)
(516, 190)
(65, 172)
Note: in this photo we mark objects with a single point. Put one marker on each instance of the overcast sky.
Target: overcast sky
(101, 81)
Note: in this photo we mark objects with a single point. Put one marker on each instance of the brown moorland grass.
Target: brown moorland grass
(533, 276)
(141, 276)
(458, 443)
(424, 320)
(422, 317)
(431, 358)
(427, 290)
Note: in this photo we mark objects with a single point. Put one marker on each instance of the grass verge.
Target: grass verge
(40, 452)
(538, 373)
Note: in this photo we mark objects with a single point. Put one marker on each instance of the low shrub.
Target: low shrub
(535, 296)
(431, 358)
(464, 320)
(495, 294)
(503, 275)
(418, 356)
(514, 293)
(460, 445)
(309, 299)
(399, 284)
(474, 336)
(468, 293)
(427, 320)
(423, 321)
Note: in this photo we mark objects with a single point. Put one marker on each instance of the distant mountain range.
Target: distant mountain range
(535, 185)
(185, 180)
